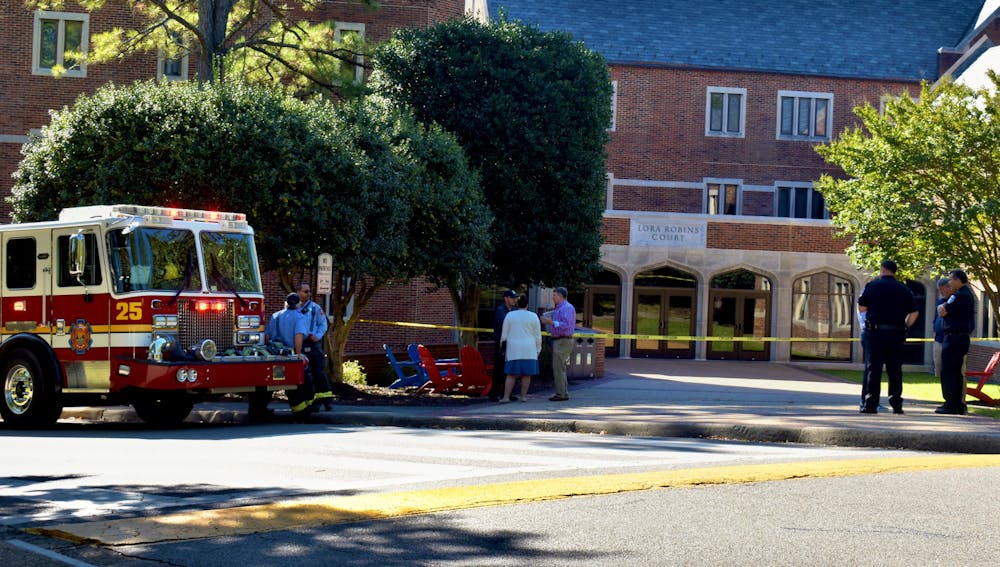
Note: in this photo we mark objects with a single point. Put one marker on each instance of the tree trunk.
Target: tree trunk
(213, 20)
(345, 289)
(466, 301)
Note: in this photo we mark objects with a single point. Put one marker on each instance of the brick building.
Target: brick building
(712, 226)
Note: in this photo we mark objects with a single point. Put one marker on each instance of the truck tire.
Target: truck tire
(163, 410)
(29, 396)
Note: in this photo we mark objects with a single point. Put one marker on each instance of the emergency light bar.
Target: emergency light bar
(159, 215)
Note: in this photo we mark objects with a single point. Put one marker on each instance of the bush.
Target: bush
(354, 373)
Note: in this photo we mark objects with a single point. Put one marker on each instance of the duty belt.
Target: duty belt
(884, 327)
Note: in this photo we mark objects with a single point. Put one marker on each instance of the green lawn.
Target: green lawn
(925, 387)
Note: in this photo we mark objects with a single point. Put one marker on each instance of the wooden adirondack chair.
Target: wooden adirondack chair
(475, 373)
(404, 381)
(448, 378)
(984, 377)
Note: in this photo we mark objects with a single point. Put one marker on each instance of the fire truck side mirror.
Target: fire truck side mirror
(77, 254)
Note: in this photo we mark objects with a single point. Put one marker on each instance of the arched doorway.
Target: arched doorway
(741, 307)
(601, 308)
(823, 308)
(665, 301)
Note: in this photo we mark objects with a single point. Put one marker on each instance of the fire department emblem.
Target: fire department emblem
(79, 337)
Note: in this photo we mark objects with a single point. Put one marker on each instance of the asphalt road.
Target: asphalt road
(479, 498)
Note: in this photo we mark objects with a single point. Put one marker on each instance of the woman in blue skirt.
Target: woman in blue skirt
(523, 333)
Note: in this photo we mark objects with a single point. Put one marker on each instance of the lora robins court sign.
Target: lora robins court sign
(655, 232)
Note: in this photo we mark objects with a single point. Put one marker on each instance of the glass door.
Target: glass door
(680, 322)
(737, 314)
(601, 314)
(664, 312)
(648, 314)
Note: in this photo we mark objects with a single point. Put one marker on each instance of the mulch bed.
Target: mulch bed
(353, 395)
(348, 394)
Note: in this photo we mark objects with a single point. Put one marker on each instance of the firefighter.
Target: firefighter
(312, 346)
(289, 327)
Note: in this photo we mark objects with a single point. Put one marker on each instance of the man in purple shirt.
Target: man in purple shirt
(562, 324)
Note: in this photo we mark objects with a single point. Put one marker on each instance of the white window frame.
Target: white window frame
(725, 92)
(161, 62)
(797, 96)
(808, 186)
(36, 39)
(614, 106)
(706, 198)
(338, 30)
(609, 191)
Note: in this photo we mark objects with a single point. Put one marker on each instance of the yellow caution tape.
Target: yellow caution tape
(685, 338)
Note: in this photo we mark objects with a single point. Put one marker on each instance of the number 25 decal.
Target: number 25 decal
(129, 311)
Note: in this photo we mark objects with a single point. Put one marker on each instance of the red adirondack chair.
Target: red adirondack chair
(984, 377)
(475, 373)
(451, 377)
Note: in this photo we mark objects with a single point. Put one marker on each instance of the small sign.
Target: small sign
(686, 234)
(324, 274)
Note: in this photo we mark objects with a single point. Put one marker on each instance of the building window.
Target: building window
(60, 44)
(822, 309)
(722, 198)
(800, 202)
(725, 110)
(988, 325)
(351, 36)
(614, 106)
(805, 116)
(173, 68)
(609, 192)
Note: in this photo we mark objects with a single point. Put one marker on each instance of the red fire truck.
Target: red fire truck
(155, 307)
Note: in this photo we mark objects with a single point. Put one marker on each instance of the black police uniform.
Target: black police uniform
(883, 338)
(499, 356)
(957, 325)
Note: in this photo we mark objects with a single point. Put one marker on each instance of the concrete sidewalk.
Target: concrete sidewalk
(750, 401)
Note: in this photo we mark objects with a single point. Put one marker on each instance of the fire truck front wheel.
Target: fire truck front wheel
(29, 397)
(165, 409)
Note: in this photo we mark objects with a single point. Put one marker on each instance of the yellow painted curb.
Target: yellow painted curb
(338, 510)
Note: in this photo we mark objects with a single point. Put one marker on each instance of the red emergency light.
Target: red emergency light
(210, 306)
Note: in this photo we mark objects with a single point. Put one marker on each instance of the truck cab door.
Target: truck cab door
(79, 309)
(23, 303)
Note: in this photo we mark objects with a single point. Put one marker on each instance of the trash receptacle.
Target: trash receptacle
(581, 360)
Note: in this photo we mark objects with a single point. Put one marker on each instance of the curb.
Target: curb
(946, 442)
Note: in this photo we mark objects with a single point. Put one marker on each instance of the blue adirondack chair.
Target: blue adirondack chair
(404, 381)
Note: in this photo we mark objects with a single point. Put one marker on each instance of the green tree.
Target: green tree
(419, 211)
(389, 199)
(262, 41)
(922, 184)
(531, 109)
(227, 147)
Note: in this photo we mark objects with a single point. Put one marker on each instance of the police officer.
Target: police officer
(289, 327)
(888, 309)
(958, 320)
(312, 346)
(499, 354)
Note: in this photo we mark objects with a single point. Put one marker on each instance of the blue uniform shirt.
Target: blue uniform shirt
(315, 320)
(284, 325)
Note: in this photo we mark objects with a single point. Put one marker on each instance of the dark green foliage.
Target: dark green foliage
(531, 109)
(223, 147)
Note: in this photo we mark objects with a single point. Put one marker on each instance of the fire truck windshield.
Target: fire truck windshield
(230, 262)
(145, 258)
